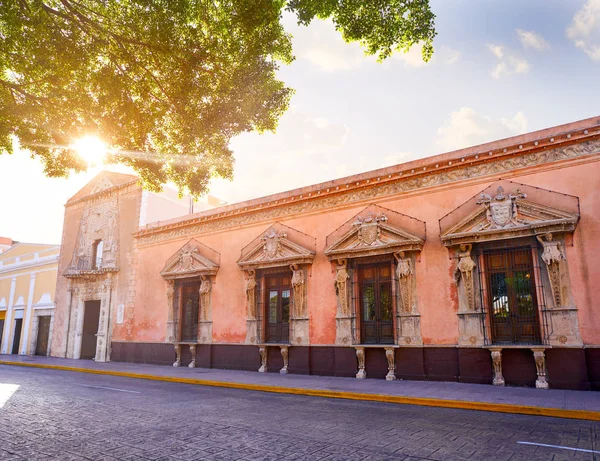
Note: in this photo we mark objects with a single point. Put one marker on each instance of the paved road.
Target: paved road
(73, 416)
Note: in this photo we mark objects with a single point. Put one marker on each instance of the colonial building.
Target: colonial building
(28, 273)
(476, 266)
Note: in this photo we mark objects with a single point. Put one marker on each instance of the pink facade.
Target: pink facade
(442, 326)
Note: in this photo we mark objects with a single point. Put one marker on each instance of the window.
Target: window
(97, 251)
(376, 305)
(190, 303)
(278, 293)
(512, 296)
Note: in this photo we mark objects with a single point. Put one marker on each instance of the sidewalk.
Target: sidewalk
(552, 402)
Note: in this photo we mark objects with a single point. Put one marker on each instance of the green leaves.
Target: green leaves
(166, 83)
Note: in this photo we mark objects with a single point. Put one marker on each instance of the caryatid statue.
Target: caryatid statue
(204, 292)
(464, 272)
(404, 272)
(552, 256)
(341, 285)
(251, 293)
(298, 289)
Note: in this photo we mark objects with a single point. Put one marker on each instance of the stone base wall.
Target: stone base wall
(568, 368)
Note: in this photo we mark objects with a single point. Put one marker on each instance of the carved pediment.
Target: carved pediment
(371, 233)
(191, 260)
(274, 248)
(509, 213)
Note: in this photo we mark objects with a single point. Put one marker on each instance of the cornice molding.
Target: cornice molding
(43, 261)
(96, 196)
(507, 159)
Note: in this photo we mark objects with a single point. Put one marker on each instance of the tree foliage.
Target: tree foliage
(167, 83)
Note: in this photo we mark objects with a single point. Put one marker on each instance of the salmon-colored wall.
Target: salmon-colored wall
(436, 291)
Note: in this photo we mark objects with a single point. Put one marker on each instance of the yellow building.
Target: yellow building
(27, 284)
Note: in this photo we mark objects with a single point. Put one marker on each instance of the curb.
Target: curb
(422, 401)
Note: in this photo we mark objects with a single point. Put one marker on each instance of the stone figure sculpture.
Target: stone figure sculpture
(464, 273)
(298, 289)
(552, 256)
(251, 293)
(204, 292)
(341, 285)
(404, 272)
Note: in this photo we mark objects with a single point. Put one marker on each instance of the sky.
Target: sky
(500, 68)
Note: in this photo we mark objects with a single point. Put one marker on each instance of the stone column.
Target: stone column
(540, 365)
(252, 318)
(171, 321)
(391, 360)
(470, 320)
(205, 324)
(284, 354)
(497, 364)
(262, 350)
(177, 362)
(299, 323)
(360, 356)
(193, 351)
(28, 315)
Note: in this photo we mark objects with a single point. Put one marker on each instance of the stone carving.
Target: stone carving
(241, 217)
(263, 359)
(341, 286)
(284, 354)
(193, 351)
(360, 355)
(189, 261)
(552, 256)
(298, 289)
(177, 362)
(204, 292)
(497, 364)
(170, 311)
(501, 210)
(540, 365)
(251, 285)
(272, 244)
(464, 273)
(404, 273)
(390, 356)
(186, 261)
(368, 229)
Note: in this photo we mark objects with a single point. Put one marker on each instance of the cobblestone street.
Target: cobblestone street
(74, 416)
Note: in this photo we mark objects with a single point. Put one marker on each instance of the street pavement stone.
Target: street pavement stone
(59, 415)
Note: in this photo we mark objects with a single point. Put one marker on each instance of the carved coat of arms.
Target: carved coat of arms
(187, 262)
(368, 228)
(272, 244)
(501, 210)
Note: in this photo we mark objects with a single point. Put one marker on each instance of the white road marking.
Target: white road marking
(110, 388)
(558, 446)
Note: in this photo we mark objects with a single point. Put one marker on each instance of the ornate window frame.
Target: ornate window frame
(377, 233)
(193, 260)
(507, 210)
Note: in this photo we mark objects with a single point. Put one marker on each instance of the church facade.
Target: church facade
(476, 266)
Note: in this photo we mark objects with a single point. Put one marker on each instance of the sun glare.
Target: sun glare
(91, 149)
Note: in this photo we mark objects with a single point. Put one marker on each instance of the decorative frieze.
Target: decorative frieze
(430, 178)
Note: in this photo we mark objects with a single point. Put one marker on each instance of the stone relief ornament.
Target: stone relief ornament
(368, 229)
(187, 262)
(552, 256)
(497, 364)
(404, 272)
(204, 292)
(251, 285)
(298, 289)
(464, 273)
(341, 286)
(501, 210)
(272, 245)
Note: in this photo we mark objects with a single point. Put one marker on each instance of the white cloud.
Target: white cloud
(584, 29)
(414, 57)
(466, 127)
(530, 39)
(396, 158)
(509, 63)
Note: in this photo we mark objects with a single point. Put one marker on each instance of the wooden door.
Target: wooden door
(17, 336)
(41, 345)
(91, 317)
(190, 303)
(511, 296)
(376, 305)
(277, 304)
